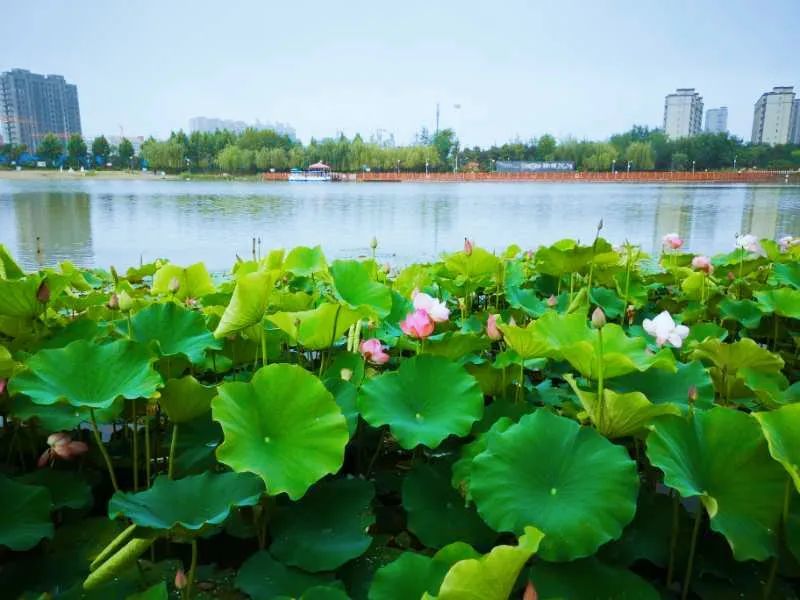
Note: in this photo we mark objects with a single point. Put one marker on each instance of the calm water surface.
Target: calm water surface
(100, 223)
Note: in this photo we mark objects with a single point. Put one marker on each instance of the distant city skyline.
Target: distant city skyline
(520, 70)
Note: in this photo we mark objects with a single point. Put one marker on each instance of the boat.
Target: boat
(316, 172)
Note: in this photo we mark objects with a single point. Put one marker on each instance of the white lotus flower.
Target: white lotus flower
(436, 309)
(787, 242)
(664, 329)
(749, 242)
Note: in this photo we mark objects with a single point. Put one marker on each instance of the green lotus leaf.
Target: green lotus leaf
(187, 505)
(283, 426)
(87, 374)
(326, 528)
(519, 297)
(462, 468)
(569, 482)
(67, 488)
(427, 399)
(413, 277)
(303, 261)
(781, 427)
(769, 388)
(7, 363)
(784, 302)
(173, 330)
(613, 306)
(352, 361)
(317, 328)
(746, 312)
(248, 303)
(787, 273)
(154, 592)
(18, 297)
(436, 512)
(186, 398)
(60, 416)
(588, 578)
(9, 269)
(356, 288)
(492, 576)
(728, 359)
(700, 332)
(721, 457)
(25, 517)
(663, 387)
(194, 281)
(698, 286)
(324, 592)
(264, 578)
(567, 256)
(456, 345)
(478, 268)
(648, 536)
(622, 414)
(346, 396)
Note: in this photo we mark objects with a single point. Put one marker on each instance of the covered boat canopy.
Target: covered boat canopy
(320, 166)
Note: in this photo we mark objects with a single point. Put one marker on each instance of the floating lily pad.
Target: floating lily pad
(782, 429)
(283, 425)
(589, 578)
(721, 457)
(87, 374)
(25, 516)
(326, 528)
(353, 285)
(264, 578)
(186, 398)
(172, 330)
(187, 505)
(427, 399)
(570, 482)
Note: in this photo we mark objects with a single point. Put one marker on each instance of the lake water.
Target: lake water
(103, 222)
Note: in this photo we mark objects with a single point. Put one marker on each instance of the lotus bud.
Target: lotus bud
(512, 322)
(373, 243)
(346, 374)
(529, 254)
(3, 383)
(190, 302)
(551, 301)
(630, 313)
(43, 292)
(731, 276)
(113, 302)
(598, 318)
(530, 592)
(386, 268)
(174, 285)
(468, 246)
(125, 301)
(691, 394)
(114, 275)
(492, 330)
(180, 579)
(600, 225)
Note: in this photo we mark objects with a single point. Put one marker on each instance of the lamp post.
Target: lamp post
(734, 161)
(613, 166)
(493, 166)
(693, 162)
(398, 167)
(629, 167)
(426, 167)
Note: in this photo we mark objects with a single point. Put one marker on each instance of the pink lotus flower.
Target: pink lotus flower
(703, 263)
(672, 240)
(418, 324)
(61, 445)
(3, 383)
(750, 243)
(552, 301)
(180, 579)
(468, 246)
(373, 352)
(491, 328)
(434, 308)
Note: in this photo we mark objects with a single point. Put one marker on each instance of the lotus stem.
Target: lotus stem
(375, 455)
(147, 449)
(673, 538)
(172, 445)
(692, 548)
(601, 400)
(127, 554)
(263, 348)
(775, 319)
(773, 571)
(192, 571)
(103, 450)
(518, 391)
(135, 447)
(112, 546)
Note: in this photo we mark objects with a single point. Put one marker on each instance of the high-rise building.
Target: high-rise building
(32, 105)
(794, 134)
(772, 116)
(683, 113)
(717, 120)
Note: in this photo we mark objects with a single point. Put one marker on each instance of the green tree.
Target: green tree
(601, 157)
(679, 161)
(163, 156)
(125, 152)
(641, 156)
(101, 149)
(50, 148)
(546, 147)
(76, 150)
(445, 142)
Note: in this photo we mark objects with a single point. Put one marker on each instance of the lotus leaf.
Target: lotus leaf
(248, 303)
(589, 578)
(354, 286)
(581, 496)
(18, 297)
(9, 269)
(728, 359)
(326, 528)
(186, 398)
(462, 468)
(7, 364)
(316, 329)
(187, 505)
(173, 330)
(746, 312)
(303, 261)
(784, 302)
(787, 273)
(782, 429)
(427, 399)
(477, 268)
(436, 512)
(155, 592)
(662, 387)
(721, 457)
(264, 578)
(283, 425)
(25, 517)
(87, 374)
(59, 416)
(490, 577)
(67, 488)
(613, 306)
(193, 281)
(346, 396)
(567, 256)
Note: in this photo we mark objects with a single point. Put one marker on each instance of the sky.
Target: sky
(516, 69)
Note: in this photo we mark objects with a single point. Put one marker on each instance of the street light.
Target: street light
(734, 161)
(398, 167)
(629, 167)
(693, 166)
(613, 166)
(426, 167)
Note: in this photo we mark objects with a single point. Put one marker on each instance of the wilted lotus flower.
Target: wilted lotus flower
(417, 324)
(787, 242)
(672, 240)
(491, 328)
(750, 243)
(174, 285)
(61, 445)
(180, 579)
(373, 352)
(703, 263)
(552, 301)
(664, 329)
(113, 302)
(435, 309)
(43, 292)
(598, 318)
(630, 313)
(468, 246)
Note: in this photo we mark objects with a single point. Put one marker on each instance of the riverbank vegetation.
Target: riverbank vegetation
(253, 151)
(571, 422)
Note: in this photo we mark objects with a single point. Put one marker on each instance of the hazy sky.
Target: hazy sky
(582, 69)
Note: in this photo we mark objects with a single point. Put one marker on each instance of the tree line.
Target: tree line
(253, 151)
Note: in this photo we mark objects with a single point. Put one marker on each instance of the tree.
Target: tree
(165, 156)
(101, 149)
(76, 150)
(641, 156)
(445, 142)
(125, 152)
(50, 148)
(546, 147)
(679, 161)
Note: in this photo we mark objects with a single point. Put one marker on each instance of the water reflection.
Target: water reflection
(105, 222)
